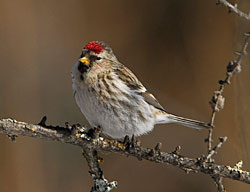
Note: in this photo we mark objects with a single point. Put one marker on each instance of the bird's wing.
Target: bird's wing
(129, 79)
(135, 85)
(150, 99)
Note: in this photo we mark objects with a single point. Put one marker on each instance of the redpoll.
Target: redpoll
(110, 96)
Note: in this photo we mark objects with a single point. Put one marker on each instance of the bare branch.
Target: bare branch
(234, 8)
(217, 101)
(214, 150)
(100, 183)
(80, 137)
(219, 184)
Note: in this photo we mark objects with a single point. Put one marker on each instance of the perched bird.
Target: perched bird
(110, 96)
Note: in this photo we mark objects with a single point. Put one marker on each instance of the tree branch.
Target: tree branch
(217, 101)
(233, 8)
(79, 136)
(214, 150)
(219, 184)
(100, 183)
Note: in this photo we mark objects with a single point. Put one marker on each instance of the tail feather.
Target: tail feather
(187, 122)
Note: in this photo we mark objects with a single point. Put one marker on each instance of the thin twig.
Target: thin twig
(214, 150)
(82, 139)
(210, 139)
(217, 101)
(233, 8)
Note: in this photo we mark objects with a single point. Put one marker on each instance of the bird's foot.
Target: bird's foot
(131, 143)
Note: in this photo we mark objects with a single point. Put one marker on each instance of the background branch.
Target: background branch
(234, 8)
(217, 101)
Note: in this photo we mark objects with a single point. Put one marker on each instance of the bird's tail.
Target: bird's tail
(186, 122)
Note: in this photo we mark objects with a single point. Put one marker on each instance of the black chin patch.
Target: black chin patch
(81, 77)
(82, 68)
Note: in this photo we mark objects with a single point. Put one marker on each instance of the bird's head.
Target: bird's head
(95, 55)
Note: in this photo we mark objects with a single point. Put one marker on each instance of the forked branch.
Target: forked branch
(79, 136)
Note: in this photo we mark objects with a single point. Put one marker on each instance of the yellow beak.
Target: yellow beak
(85, 61)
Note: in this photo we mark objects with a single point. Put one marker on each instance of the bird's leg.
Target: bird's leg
(126, 140)
(131, 143)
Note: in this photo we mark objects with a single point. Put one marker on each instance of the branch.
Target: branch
(234, 67)
(90, 143)
(100, 183)
(233, 8)
(219, 184)
(214, 150)
(217, 101)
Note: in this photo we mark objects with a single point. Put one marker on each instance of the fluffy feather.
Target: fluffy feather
(110, 96)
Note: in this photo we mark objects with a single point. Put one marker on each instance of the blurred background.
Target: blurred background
(178, 49)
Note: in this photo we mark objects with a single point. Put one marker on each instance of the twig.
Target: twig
(234, 8)
(100, 183)
(90, 153)
(219, 184)
(214, 150)
(81, 138)
(217, 101)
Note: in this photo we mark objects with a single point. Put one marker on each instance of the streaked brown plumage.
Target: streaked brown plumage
(110, 96)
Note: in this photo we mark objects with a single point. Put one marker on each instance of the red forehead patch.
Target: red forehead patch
(94, 46)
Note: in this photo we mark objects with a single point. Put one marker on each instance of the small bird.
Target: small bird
(112, 98)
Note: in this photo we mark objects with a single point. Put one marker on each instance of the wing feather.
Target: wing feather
(150, 99)
(135, 85)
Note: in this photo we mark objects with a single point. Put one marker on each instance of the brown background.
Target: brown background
(178, 49)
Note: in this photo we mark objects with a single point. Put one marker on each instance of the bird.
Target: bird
(111, 97)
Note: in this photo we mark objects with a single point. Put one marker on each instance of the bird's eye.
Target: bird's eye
(94, 58)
